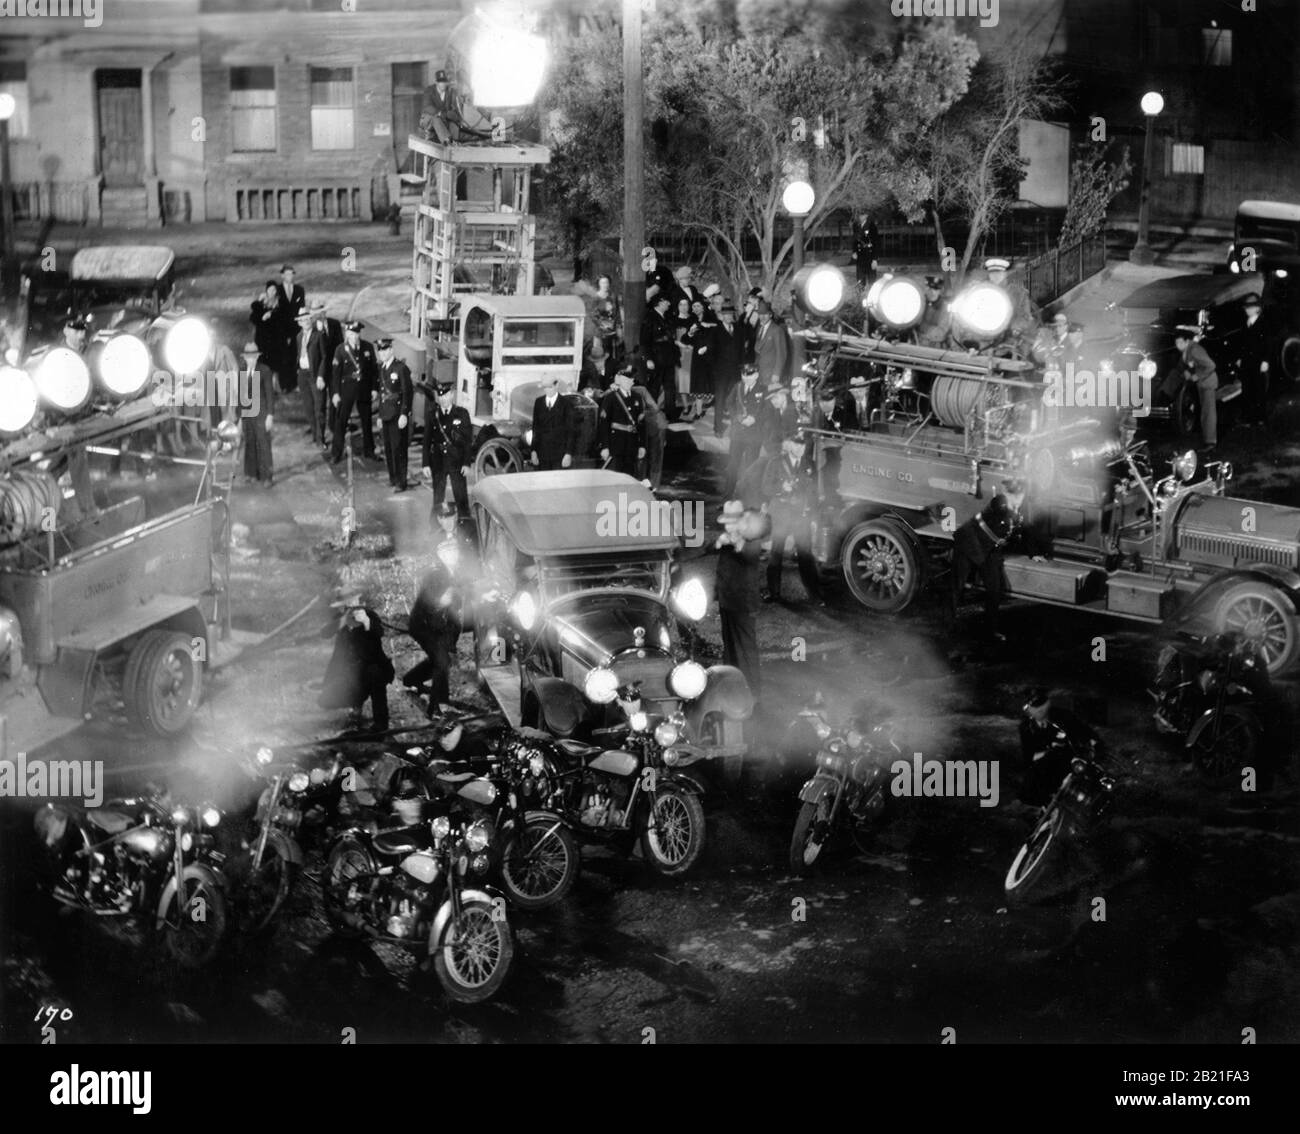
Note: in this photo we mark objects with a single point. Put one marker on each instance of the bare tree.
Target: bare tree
(1095, 181)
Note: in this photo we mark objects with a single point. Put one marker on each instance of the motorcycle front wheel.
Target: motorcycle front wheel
(475, 952)
(540, 863)
(1225, 747)
(1035, 856)
(194, 921)
(264, 892)
(348, 869)
(673, 835)
(811, 833)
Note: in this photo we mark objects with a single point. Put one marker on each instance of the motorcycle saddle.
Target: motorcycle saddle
(403, 840)
(579, 750)
(110, 822)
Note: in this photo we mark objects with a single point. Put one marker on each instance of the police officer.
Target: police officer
(1024, 312)
(936, 320)
(791, 478)
(779, 419)
(354, 373)
(621, 433)
(736, 583)
(448, 445)
(395, 397)
(979, 546)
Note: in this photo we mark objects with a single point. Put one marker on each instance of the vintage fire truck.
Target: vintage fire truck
(110, 515)
(945, 428)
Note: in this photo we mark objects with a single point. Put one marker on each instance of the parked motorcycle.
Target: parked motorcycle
(144, 857)
(622, 786)
(424, 885)
(1215, 694)
(1073, 814)
(848, 790)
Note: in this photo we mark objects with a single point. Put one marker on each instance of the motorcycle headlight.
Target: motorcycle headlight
(187, 345)
(63, 380)
(830, 762)
(180, 815)
(210, 815)
(299, 781)
(524, 608)
(853, 739)
(265, 755)
(479, 864)
(1147, 368)
(124, 366)
(440, 827)
(639, 721)
(187, 842)
(666, 735)
(536, 766)
(691, 599)
(688, 680)
(18, 399)
(601, 685)
(672, 757)
(478, 835)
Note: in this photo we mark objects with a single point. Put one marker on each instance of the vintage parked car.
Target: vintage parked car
(1266, 239)
(582, 561)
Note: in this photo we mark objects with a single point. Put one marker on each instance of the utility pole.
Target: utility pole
(633, 175)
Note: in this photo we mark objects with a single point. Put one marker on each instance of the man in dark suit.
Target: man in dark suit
(268, 334)
(448, 446)
(736, 584)
(792, 481)
(771, 345)
(659, 350)
(745, 409)
(553, 428)
(291, 301)
(359, 669)
(621, 432)
(256, 419)
(779, 420)
(658, 279)
(395, 397)
(443, 607)
(726, 347)
(1254, 347)
(314, 345)
(355, 371)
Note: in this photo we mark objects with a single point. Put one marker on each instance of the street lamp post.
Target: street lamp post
(798, 200)
(633, 175)
(1152, 105)
(7, 108)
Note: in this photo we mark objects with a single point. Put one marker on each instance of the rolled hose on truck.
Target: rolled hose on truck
(26, 497)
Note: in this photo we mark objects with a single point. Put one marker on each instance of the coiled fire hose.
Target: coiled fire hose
(27, 497)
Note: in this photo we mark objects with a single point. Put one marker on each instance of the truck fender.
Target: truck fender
(444, 913)
(817, 788)
(1207, 718)
(206, 874)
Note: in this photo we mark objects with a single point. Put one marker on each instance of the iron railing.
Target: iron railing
(1049, 277)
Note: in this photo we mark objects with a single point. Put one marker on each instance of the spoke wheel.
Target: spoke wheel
(1031, 862)
(811, 833)
(1224, 747)
(194, 922)
(882, 565)
(674, 831)
(495, 457)
(163, 683)
(264, 892)
(347, 883)
(1262, 614)
(474, 956)
(540, 864)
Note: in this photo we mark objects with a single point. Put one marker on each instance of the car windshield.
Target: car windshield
(598, 573)
(610, 622)
(537, 342)
(1254, 228)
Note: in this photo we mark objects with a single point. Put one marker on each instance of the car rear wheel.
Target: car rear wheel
(497, 456)
(163, 683)
(1265, 616)
(1289, 358)
(882, 565)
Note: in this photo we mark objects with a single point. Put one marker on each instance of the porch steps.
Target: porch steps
(124, 208)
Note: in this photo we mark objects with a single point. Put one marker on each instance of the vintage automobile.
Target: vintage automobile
(506, 346)
(1120, 539)
(1266, 239)
(582, 561)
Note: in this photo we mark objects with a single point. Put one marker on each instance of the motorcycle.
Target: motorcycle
(426, 882)
(143, 857)
(1215, 694)
(1074, 813)
(621, 789)
(294, 803)
(848, 789)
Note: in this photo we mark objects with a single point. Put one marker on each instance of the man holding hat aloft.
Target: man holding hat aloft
(396, 395)
(355, 370)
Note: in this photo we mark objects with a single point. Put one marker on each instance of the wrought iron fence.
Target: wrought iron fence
(1049, 277)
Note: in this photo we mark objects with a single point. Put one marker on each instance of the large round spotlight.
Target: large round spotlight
(63, 380)
(601, 685)
(896, 301)
(18, 399)
(819, 289)
(983, 310)
(124, 366)
(187, 345)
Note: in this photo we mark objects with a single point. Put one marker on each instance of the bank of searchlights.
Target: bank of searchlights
(981, 311)
(895, 301)
(819, 289)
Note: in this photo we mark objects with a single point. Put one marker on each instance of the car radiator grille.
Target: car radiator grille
(1218, 546)
(651, 672)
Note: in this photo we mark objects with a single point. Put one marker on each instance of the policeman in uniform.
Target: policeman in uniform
(354, 373)
(792, 480)
(621, 434)
(448, 447)
(395, 397)
(936, 321)
(1024, 312)
(979, 546)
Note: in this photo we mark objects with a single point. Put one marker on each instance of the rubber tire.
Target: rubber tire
(1211, 769)
(283, 889)
(900, 543)
(217, 919)
(695, 844)
(506, 458)
(573, 863)
(1250, 589)
(333, 908)
(1288, 358)
(458, 991)
(1017, 888)
(141, 665)
(1187, 410)
(798, 841)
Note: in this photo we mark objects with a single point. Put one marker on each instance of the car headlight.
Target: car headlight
(187, 345)
(601, 685)
(691, 599)
(124, 366)
(1147, 368)
(18, 399)
(1185, 465)
(478, 835)
(688, 680)
(210, 815)
(299, 781)
(63, 379)
(1234, 267)
(265, 755)
(1281, 273)
(524, 609)
(666, 735)
(536, 766)
(440, 827)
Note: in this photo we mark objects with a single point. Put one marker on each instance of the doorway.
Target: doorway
(121, 126)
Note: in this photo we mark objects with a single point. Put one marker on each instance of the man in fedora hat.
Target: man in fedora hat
(786, 485)
(1254, 345)
(355, 370)
(256, 419)
(440, 611)
(771, 344)
(780, 418)
(446, 115)
(448, 446)
(745, 409)
(317, 340)
(359, 670)
(736, 587)
(726, 346)
(396, 395)
(1195, 365)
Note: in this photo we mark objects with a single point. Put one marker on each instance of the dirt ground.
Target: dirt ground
(899, 939)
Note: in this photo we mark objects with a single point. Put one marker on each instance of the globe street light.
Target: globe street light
(798, 200)
(1152, 104)
(7, 107)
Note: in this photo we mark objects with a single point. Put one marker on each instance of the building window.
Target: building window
(408, 97)
(1186, 158)
(13, 81)
(1216, 46)
(333, 108)
(252, 109)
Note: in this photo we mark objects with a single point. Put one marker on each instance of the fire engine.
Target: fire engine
(948, 426)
